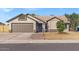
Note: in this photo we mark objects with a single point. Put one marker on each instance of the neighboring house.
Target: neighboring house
(35, 23)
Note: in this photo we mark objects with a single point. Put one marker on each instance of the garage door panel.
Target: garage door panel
(22, 27)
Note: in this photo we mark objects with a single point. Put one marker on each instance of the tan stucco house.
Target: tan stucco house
(35, 23)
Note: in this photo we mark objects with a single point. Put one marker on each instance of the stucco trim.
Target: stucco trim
(14, 17)
(54, 18)
(37, 18)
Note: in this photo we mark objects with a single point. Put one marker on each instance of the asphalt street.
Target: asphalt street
(40, 47)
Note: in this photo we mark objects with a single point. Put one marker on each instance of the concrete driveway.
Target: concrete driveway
(14, 36)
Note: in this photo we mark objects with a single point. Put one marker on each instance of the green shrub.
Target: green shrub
(60, 26)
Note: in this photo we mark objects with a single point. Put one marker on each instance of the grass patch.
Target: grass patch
(62, 36)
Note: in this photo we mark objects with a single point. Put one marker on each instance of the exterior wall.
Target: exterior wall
(67, 28)
(43, 26)
(52, 24)
(26, 21)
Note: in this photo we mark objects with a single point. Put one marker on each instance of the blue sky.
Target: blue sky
(8, 13)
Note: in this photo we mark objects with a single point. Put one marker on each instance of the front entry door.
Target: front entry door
(38, 27)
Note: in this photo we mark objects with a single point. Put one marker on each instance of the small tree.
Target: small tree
(73, 18)
(60, 26)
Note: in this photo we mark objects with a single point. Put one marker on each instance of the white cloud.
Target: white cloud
(7, 9)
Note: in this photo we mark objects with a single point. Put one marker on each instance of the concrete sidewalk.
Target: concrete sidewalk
(38, 41)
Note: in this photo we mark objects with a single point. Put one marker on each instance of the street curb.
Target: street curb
(39, 41)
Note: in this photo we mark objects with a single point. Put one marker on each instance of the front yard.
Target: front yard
(57, 36)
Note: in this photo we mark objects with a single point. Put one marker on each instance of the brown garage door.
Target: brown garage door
(22, 27)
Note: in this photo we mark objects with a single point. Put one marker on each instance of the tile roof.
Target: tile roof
(63, 18)
(46, 18)
(43, 18)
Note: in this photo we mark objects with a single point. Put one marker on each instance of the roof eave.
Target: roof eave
(13, 18)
